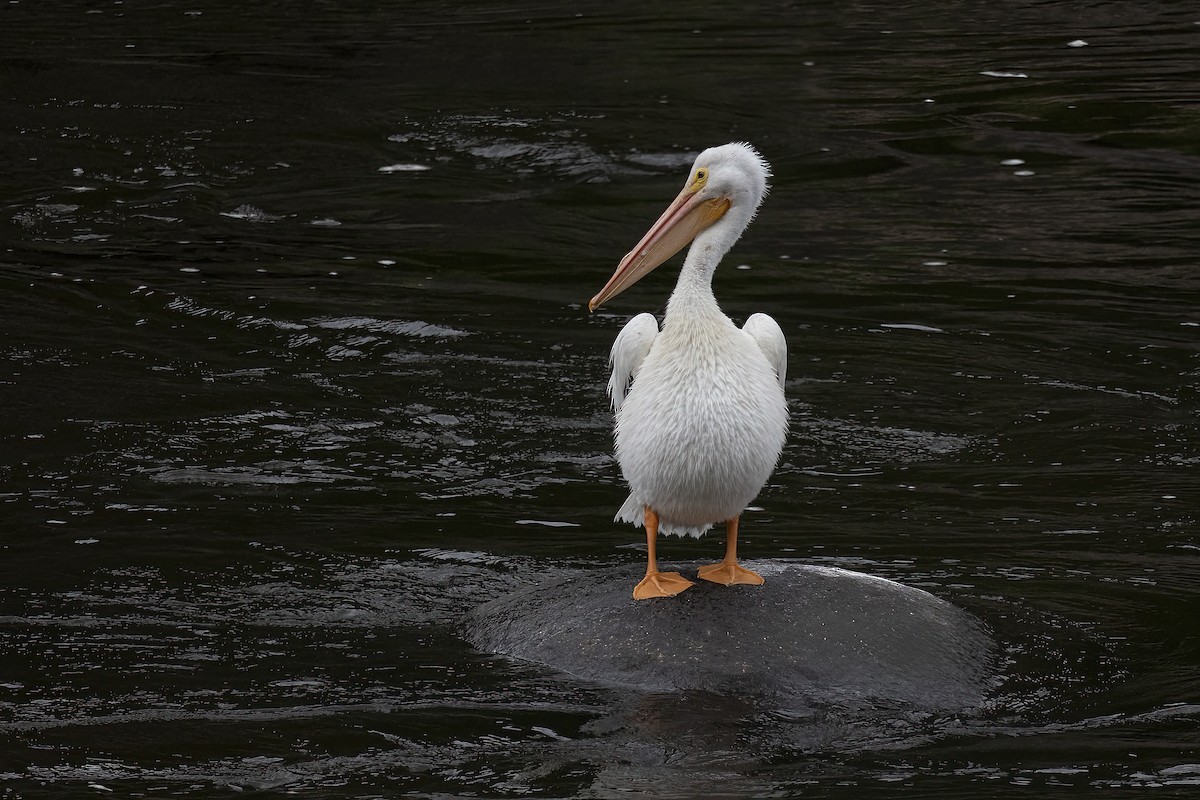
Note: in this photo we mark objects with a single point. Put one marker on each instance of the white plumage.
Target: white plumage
(701, 428)
(700, 411)
(628, 353)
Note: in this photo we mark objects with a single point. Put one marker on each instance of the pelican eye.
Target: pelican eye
(700, 179)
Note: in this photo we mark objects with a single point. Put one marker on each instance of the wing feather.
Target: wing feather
(628, 353)
(769, 336)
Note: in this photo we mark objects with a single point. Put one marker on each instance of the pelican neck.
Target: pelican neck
(693, 290)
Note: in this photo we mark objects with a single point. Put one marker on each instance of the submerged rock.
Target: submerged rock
(811, 635)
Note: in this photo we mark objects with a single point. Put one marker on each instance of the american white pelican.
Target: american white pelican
(700, 412)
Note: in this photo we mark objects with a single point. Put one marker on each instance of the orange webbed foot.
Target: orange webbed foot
(660, 584)
(729, 573)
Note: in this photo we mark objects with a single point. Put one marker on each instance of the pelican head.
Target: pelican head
(726, 184)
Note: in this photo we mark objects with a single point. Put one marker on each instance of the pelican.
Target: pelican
(700, 413)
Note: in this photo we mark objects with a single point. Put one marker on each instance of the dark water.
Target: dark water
(297, 370)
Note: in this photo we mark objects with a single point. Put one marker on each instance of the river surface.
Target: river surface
(296, 369)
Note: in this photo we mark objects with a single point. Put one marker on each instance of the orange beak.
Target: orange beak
(683, 220)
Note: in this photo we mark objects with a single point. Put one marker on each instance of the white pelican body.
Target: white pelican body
(700, 412)
(702, 426)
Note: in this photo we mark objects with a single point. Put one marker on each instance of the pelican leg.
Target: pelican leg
(657, 584)
(729, 571)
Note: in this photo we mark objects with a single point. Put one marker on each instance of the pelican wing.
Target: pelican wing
(767, 334)
(628, 353)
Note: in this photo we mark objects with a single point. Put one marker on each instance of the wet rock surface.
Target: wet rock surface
(811, 635)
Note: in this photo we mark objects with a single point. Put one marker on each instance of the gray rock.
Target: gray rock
(810, 636)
